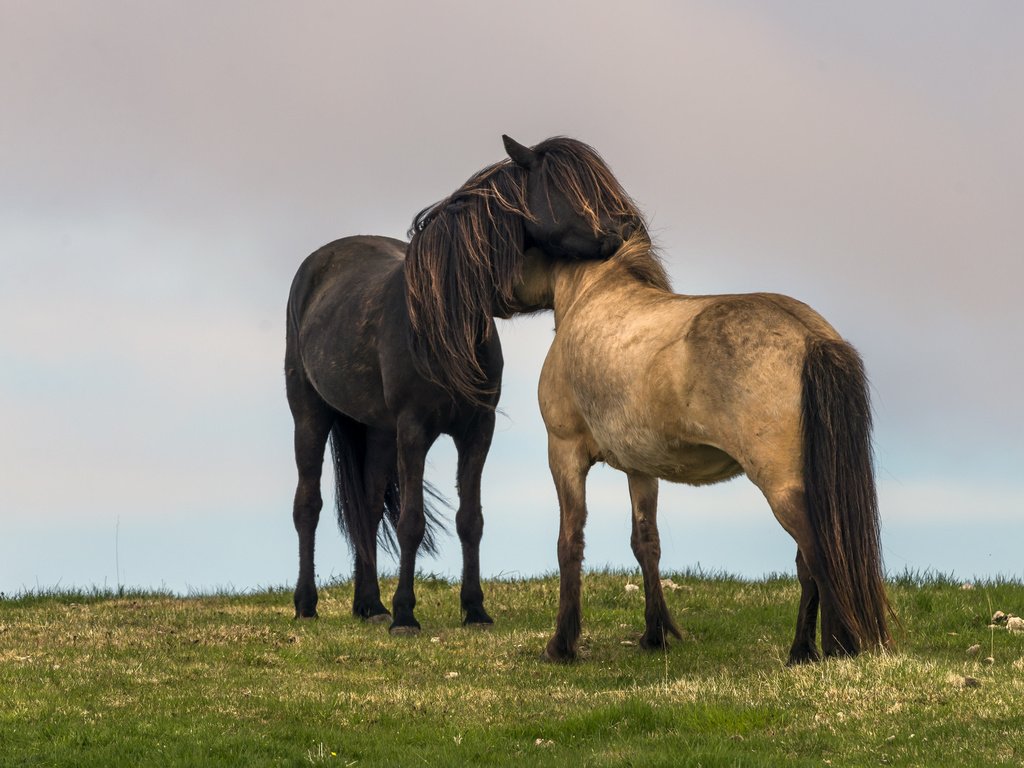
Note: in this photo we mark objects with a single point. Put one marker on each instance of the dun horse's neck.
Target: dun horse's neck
(582, 281)
(570, 281)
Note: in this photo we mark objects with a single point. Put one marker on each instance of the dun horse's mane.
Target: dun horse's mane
(465, 255)
(639, 258)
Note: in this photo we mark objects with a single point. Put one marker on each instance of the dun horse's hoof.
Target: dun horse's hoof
(558, 655)
(403, 630)
(803, 655)
(654, 643)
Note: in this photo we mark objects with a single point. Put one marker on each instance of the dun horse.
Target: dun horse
(391, 344)
(699, 389)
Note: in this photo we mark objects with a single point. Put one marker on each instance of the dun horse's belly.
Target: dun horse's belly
(668, 459)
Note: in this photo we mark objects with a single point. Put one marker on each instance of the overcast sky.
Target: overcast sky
(165, 167)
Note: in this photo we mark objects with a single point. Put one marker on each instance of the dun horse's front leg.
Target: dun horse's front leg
(469, 520)
(412, 453)
(643, 494)
(569, 466)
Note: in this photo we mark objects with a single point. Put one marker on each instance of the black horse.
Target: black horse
(391, 344)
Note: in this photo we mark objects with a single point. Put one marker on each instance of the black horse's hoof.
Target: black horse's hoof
(403, 630)
(477, 617)
(378, 618)
(300, 616)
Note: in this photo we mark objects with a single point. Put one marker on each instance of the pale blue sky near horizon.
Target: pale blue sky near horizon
(165, 167)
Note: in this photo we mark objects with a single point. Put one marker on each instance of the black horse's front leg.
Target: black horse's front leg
(469, 520)
(412, 452)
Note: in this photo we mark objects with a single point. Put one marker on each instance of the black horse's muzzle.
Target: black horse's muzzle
(614, 240)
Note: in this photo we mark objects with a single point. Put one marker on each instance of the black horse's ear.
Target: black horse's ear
(521, 156)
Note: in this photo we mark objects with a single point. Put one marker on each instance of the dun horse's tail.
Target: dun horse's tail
(839, 483)
(357, 521)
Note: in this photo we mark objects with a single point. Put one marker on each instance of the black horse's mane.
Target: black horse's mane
(465, 256)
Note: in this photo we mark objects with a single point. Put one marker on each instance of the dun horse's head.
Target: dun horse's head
(576, 207)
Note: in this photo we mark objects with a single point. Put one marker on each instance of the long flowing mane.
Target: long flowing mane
(465, 256)
(640, 259)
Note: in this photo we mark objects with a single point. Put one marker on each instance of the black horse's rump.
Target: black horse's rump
(390, 345)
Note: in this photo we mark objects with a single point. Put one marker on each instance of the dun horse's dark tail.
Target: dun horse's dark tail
(356, 520)
(839, 484)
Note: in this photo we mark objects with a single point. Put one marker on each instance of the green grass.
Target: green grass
(151, 679)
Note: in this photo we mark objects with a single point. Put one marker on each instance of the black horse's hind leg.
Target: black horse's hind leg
(805, 646)
(413, 443)
(469, 520)
(313, 419)
(646, 544)
(378, 467)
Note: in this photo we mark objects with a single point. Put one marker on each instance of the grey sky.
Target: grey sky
(165, 167)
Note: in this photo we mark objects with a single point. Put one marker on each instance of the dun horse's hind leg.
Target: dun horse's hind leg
(805, 646)
(643, 494)
(790, 508)
(569, 467)
(313, 419)
(413, 443)
(379, 463)
(469, 520)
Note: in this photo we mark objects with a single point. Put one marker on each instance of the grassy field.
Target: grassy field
(149, 679)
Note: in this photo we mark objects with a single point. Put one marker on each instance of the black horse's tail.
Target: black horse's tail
(839, 484)
(357, 521)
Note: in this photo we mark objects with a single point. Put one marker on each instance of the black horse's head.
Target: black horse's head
(576, 208)
(467, 251)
